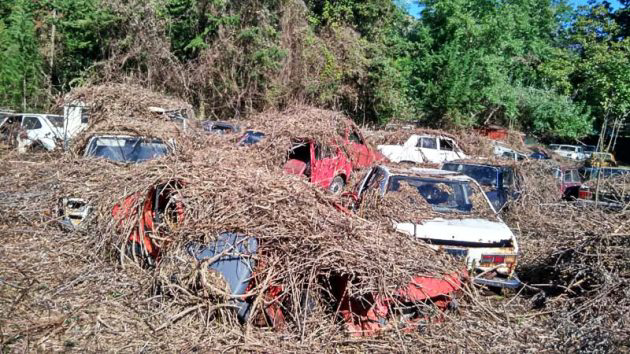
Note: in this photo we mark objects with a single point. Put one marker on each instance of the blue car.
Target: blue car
(499, 182)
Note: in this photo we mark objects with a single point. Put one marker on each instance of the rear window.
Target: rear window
(56, 121)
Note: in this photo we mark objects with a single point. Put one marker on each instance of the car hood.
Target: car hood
(459, 231)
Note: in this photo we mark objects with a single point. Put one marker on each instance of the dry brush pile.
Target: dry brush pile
(77, 279)
(62, 290)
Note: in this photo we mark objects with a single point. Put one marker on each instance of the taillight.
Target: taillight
(498, 258)
(585, 193)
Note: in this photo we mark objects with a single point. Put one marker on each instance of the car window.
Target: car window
(557, 173)
(57, 121)
(567, 148)
(30, 123)
(85, 114)
(447, 145)
(327, 151)
(429, 143)
(355, 138)
(576, 175)
(507, 178)
(567, 176)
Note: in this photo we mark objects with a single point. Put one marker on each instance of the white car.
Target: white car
(502, 151)
(45, 130)
(573, 152)
(423, 149)
(486, 243)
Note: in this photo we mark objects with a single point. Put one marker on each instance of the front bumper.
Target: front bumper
(72, 212)
(499, 282)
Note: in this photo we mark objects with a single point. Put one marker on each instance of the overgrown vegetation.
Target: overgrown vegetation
(537, 65)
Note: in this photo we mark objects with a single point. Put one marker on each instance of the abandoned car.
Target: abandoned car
(251, 137)
(125, 149)
(569, 181)
(218, 127)
(601, 159)
(33, 130)
(236, 258)
(572, 152)
(423, 149)
(451, 213)
(610, 191)
(499, 182)
(325, 166)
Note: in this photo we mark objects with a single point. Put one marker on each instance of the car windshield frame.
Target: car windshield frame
(126, 149)
(461, 202)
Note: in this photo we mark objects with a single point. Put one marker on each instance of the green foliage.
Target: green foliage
(603, 75)
(476, 56)
(529, 64)
(20, 61)
(549, 114)
(85, 29)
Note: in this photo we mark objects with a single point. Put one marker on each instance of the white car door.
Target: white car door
(448, 150)
(38, 131)
(429, 149)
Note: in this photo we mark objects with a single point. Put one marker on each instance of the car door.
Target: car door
(447, 149)
(359, 152)
(323, 162)
(38, 131)
(428, 147)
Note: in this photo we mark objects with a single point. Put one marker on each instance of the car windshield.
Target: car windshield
(127, 149)
(484, 175)
(442, 196)
(602, 155)
(251, 137)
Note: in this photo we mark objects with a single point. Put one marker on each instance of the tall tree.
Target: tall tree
(603, 75)
(20, 60)
(479, 61)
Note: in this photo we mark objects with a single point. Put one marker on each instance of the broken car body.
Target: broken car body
(125, 149)
(487, 244)
(327, 167)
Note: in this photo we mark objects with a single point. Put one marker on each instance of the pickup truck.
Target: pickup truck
(451, 213)
(423, 149)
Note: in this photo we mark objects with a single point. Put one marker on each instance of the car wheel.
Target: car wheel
(337, 184)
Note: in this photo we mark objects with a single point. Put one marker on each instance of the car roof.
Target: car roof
(478, 163)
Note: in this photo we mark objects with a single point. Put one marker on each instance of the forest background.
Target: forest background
(546, 67)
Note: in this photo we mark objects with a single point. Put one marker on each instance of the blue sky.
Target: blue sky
(414, 9)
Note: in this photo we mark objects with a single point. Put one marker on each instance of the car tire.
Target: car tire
(337, 184)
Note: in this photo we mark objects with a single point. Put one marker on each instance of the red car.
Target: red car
(325, 166)
(161, 210)
(361, 154)
(569, 182)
